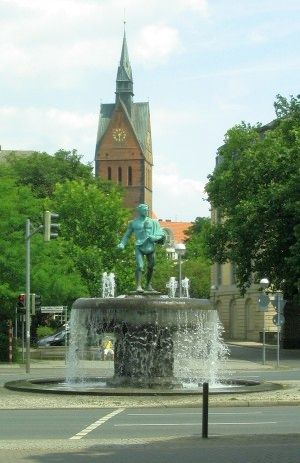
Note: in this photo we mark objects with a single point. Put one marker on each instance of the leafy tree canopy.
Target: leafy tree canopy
(196, 265)
(255, 194)
(91, 218)
(41, 171)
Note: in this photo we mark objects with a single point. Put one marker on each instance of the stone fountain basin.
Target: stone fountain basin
(145, 309)
(58, 386)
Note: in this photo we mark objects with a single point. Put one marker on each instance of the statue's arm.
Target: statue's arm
(158, 235)
(126, 236)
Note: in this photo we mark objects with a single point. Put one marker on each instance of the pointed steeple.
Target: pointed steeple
(124, 82)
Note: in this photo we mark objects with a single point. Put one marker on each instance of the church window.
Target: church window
(129, 176)
(109, 173)
(119, 174)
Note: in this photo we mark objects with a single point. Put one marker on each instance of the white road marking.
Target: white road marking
(96, 424)
(193, 413)
(192, 424)
(255, 423)
(154, 424)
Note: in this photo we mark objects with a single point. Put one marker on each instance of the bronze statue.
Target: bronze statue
(147, 233)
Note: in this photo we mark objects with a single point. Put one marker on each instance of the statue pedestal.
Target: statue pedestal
(144, 293)
(143, 355)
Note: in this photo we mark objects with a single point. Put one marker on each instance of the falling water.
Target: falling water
(172, 286)
(182, 346)
(185, 284)
(108, 285)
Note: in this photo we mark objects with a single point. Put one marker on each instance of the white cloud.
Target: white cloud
(51, 58)
(257, 36)
(176, 197)
(80, 9)
(166, 119)
(156, 42)
(48, 129)
(197, 5)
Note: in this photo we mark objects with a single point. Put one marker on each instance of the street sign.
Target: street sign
(263, 302)
(52, 309)
(278, 320)
(278, 302)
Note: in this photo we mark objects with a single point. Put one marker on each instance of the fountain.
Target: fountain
(172, 286)
(108, 285)
(159, 341)
(162, 344)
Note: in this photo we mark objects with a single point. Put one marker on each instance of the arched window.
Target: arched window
(109, 173)
(119, 174)
(129, 176)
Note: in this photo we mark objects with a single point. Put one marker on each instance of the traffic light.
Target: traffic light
(50, 228)
(36, 302)
(21, 303)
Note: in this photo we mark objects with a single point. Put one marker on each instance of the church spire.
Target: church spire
(124, 82)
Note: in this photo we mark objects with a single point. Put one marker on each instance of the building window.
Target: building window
(233, 273)
(119, 174)
(129, 176)
(219, 274)
(109, 173)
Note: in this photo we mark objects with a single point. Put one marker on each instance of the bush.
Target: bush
(43, 331)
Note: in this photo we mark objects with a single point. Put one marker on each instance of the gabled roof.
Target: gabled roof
(139, 121)
(178, 229)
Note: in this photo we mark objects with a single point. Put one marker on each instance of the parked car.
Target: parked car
(56, 339)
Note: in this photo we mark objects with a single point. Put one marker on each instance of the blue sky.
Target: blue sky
(203, 65)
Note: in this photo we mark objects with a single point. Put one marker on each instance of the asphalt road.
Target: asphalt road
(160, 435)
(145, 423)
(236, 435)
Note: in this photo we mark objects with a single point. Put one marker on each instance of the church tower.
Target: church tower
(124, 149)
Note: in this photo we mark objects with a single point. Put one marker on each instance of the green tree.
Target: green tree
(41, 171)
(91, 218)
(255, 193)
(91, 221)
(16, 205)
(164, 269)
(196, 265)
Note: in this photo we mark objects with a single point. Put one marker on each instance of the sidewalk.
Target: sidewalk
(287, 394)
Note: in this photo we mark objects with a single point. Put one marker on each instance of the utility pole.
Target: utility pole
(27, 294)
(50, 232)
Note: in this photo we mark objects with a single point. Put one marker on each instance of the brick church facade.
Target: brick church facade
(124, 149)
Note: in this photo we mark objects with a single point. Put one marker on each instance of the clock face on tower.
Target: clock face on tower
(119, 135)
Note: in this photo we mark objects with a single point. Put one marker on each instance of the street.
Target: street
(236, 434)
(52, 431)
(145, 423)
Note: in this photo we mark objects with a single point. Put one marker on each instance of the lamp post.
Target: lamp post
(180, 251)
(263, 303)
(213, 290)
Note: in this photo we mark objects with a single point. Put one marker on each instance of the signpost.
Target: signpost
(52, 309)
(278, 303)
(263, 302)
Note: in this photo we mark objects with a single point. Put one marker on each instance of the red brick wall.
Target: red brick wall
(121, 155)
